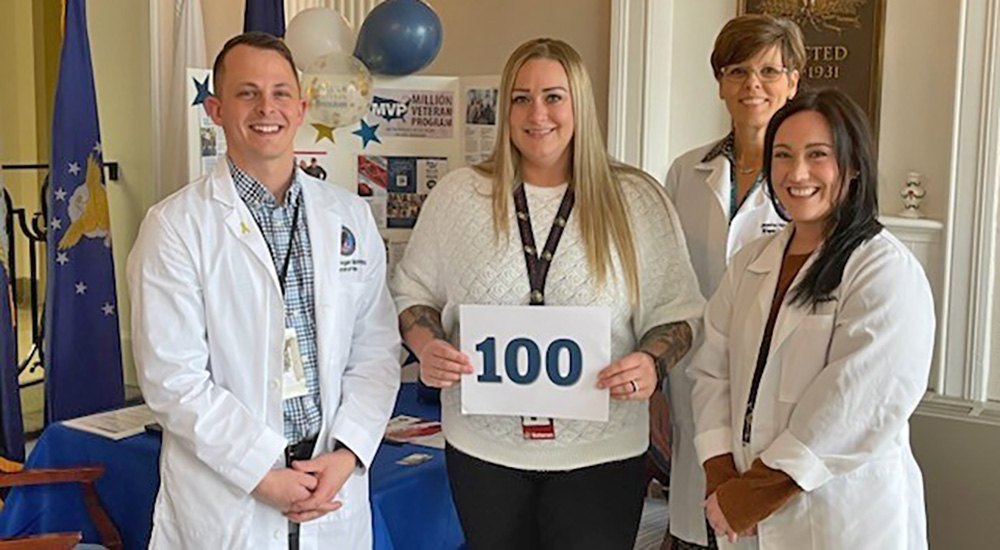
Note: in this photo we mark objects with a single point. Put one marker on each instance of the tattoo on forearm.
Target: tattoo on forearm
(421, 316)
(668, 343)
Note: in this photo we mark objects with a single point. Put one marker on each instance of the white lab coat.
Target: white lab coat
(208, 322)
(700, 192)
(834, 402)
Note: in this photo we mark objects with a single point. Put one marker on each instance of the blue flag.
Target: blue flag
(83, 370)
(265, 16)
(11, 424)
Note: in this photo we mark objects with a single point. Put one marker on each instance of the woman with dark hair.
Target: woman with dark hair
(723, 205)
(817, 349)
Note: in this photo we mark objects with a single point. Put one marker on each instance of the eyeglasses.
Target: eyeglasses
(740, 73)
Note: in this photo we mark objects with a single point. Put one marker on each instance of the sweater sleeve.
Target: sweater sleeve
(417, 280)
(718, 470)
(668, 288)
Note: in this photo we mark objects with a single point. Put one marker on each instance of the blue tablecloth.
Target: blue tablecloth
(411, 505)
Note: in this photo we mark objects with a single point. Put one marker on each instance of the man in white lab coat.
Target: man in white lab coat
(265, 340)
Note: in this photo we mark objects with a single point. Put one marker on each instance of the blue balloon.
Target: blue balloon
(399, 37)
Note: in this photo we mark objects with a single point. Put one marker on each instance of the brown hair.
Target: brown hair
(254, 39)
(745, 36)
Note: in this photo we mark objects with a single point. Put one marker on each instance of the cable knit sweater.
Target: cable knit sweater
(453, 258)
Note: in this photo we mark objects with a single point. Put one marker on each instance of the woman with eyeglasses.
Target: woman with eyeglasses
(723, 204)
(818, 345)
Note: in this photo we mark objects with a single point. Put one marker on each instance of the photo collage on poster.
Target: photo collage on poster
(211, 142)
(396, 187)
(480, 123)
(312, 163)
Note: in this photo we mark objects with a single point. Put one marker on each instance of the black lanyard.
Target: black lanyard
(763, 352)
(288, 253)
(538, 266)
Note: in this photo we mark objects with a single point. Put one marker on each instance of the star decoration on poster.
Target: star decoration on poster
(324, 132)
(203, 91)
(367, 134)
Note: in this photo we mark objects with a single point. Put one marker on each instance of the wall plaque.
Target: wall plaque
(843, 45)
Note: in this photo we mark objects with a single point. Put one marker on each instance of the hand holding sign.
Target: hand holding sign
(536, 361)
(631, 377)
(441, 365)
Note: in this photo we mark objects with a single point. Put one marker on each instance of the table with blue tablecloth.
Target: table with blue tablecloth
(411, 505)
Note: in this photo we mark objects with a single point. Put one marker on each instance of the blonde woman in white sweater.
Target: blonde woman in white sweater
(621, 247)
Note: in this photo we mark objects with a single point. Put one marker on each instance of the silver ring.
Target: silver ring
(635, 387)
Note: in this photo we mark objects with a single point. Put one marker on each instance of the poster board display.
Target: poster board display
(417, 129)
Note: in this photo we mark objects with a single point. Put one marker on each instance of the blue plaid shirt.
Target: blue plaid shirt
(303, 415)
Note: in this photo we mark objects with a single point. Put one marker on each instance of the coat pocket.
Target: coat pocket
(805, 356)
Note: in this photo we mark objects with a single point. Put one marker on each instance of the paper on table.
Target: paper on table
(416, 431)
(116, 424)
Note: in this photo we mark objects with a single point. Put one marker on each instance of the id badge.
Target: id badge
(294, 374)
(536, 427)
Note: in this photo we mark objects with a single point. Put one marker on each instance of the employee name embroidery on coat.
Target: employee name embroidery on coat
(768, 228)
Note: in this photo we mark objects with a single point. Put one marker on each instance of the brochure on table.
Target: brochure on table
(116, 424)
(418, 128)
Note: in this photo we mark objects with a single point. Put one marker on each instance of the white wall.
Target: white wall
(479, 35)
(962, 488)
(18, 125)
(120, 50)
(697, 115)
(918, 99)
(223, 19)
(994, 384)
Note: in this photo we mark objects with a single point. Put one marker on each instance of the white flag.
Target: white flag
(189, 52)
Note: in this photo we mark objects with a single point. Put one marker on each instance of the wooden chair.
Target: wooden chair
(85, 476)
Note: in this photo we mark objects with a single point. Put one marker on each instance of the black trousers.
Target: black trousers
(502, 508)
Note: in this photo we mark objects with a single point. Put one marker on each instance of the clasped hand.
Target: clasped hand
(305, 491)
(719, 523)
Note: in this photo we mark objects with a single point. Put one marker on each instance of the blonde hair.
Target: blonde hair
(595, 179)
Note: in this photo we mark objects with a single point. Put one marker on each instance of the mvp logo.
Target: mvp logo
(390, 109)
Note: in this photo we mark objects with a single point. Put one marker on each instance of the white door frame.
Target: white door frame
(639, 83)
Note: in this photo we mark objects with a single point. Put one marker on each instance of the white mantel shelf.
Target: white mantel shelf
(912, 224)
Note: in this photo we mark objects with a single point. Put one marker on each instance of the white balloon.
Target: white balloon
(316, 32)
(338, 88)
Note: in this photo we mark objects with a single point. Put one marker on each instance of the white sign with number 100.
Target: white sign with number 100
(536, 360)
